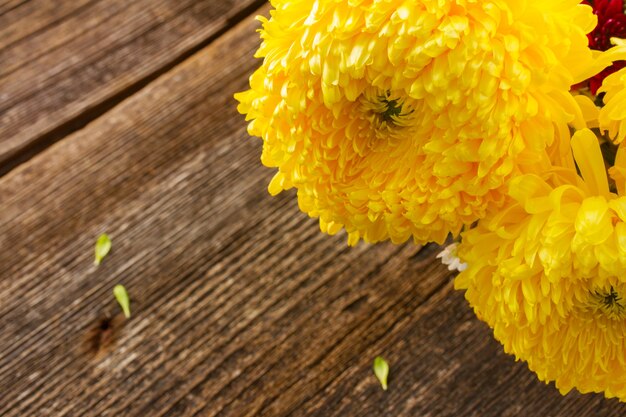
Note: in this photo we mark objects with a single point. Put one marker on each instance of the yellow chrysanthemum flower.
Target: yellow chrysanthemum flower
(406, 118)
(548, 272)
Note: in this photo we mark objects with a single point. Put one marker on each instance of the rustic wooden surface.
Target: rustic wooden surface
(118, 117)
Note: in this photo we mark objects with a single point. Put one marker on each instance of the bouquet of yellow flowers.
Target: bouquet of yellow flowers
(497, 122)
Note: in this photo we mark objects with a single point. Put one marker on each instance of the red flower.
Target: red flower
(611, 24)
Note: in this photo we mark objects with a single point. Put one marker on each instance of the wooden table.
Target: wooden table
(118, 117)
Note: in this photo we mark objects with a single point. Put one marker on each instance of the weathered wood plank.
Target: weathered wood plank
(30, 17)
(240, 305)
(8, 5)
(65, 74)
(444, 362)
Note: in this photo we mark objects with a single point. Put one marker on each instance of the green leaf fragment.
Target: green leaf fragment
(103, 246)
(121, 295)
(381, 370)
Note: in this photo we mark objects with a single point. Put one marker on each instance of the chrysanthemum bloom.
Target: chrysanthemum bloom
(548, 273)
(398, 119)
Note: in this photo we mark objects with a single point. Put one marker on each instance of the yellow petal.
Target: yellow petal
(593, 221)
(589, 110)
(590, 162)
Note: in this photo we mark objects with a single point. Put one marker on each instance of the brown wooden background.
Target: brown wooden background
(117, 116)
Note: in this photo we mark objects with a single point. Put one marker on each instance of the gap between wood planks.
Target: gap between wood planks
(91, 113)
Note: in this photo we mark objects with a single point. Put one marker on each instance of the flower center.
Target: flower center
(383, 118)
(393, 109)
(390, 110)
(609, 302)
(387, 111)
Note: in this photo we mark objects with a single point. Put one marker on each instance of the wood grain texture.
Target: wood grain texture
(66, 62)
(240, 306)
(27, 18)
(8, 5)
